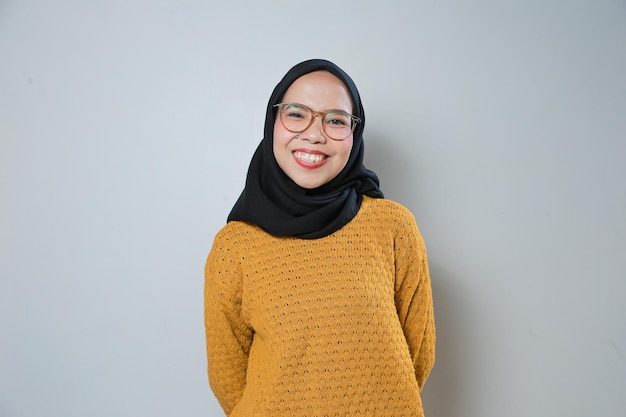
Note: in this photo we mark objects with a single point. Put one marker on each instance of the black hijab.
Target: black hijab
(278, 205)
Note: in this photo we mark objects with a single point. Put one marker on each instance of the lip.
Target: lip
(309, 164)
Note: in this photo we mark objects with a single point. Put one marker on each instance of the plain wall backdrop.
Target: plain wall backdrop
(126, 129)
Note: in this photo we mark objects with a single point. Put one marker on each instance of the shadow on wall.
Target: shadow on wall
(396, 170)
(445, 387)
(445, 390)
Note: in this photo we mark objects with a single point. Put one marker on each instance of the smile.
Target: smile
(310, 158)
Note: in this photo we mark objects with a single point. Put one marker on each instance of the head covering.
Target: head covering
(278, 205)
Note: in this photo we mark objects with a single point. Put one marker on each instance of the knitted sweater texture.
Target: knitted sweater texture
(337, 326)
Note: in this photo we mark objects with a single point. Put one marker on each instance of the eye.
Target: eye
(338, 120)
(295, 112)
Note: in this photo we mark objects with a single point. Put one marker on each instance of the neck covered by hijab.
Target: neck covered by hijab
(278, 205)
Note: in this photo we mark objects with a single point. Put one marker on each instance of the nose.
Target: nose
(315, 132)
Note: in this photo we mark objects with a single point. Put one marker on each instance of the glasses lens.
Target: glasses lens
(295, 118)
(338, 125)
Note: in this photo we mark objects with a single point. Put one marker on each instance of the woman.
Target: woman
(317, 293)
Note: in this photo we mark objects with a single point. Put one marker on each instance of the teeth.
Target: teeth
(307, 157)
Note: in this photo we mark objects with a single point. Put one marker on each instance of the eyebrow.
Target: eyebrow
(321, 111)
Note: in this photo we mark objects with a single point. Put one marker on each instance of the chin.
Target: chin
(309, 184)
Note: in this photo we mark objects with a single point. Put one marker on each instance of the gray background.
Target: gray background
(126, 130)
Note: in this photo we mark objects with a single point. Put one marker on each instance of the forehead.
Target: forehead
(319, 90)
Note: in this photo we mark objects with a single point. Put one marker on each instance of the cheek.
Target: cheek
(277, 125)
(280, 140)
(279, 132)
(344, 150)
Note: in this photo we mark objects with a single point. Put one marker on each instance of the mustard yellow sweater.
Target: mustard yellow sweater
(337, 326)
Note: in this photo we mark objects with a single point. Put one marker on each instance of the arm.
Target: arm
(414, 299)
(228, 338)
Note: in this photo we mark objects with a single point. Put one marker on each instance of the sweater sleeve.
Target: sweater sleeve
(414, 298)
(228, 337)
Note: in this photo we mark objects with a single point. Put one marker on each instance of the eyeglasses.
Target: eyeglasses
(297, 118)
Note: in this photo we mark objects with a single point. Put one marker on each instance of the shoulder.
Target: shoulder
(393, 216)
(235, 230)
(232, 244)
(384, 210)
(237, 235)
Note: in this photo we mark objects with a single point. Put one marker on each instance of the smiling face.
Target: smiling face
(311, 158)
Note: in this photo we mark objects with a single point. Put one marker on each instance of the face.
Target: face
(311, 158)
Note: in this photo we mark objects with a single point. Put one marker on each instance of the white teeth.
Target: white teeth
(307, 157)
